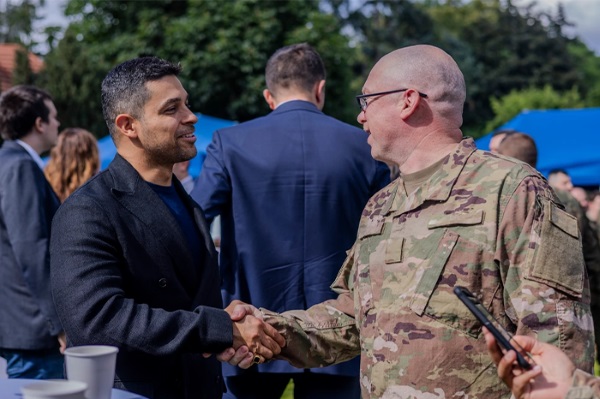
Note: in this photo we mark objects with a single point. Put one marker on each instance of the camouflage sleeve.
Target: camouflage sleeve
(585, 386)
(324, 334)
(546, 292)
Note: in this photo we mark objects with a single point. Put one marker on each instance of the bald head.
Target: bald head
(429, 70)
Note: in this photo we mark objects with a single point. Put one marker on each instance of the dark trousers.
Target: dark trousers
(34, 364)
(306, 386)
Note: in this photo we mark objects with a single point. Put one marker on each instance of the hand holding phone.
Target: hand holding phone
(502, 336)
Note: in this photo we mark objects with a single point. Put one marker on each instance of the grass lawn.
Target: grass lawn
(289, 391)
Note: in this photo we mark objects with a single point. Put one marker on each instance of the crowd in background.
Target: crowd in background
(128, 259)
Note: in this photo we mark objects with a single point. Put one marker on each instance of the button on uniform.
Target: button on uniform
(162, 283)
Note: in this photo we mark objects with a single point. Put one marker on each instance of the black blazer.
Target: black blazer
(123, 275)
(28, 319)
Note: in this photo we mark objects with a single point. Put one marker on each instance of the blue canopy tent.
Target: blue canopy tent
(205, 127)
(566, 139)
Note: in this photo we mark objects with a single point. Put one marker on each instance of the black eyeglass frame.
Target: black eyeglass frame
(363, 104)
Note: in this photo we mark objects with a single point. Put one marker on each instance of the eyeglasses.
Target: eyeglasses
(362, 99)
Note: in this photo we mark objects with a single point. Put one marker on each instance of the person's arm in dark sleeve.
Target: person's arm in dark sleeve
(212, 190)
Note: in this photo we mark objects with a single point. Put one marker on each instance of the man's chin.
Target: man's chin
(187, 155)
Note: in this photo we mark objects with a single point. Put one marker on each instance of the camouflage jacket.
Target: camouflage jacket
(486, 222)
(585, 386)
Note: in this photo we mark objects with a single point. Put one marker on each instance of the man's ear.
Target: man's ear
(126, 124)
(269, 98)
(38, 124)
(320, 94)
(409, 103)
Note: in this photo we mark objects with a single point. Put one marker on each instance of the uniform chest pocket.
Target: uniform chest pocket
(403, 274)
(431, 273)
(404, 271)
(458, 261)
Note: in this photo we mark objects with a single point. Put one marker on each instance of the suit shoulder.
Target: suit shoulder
(95, 190)
(20, 164)
(240, 128)
(345, 126)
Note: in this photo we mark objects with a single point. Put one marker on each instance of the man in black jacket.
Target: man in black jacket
(133, 264)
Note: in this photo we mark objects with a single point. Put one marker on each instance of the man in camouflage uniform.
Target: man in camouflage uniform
(455, 216)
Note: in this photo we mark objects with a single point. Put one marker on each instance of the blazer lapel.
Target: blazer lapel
(137, 197)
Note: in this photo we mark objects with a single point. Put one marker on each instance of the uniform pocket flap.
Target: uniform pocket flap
(558, 261)
(370, 226)
(457, 219)
(564, 221)
(431, 275)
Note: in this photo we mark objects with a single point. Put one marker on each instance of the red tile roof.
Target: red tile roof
(7, 63)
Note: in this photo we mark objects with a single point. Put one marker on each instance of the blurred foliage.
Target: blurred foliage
(589, 65)
(513, 48)
(223, 47)
(510, 105)
(16, 21)
(23, 73)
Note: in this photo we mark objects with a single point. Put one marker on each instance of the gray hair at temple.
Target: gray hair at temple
(124, 87)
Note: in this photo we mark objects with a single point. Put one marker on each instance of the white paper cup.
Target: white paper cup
(54, 390)
(93, 365)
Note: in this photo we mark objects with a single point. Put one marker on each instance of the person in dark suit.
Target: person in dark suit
(132, 263)
(30, 332)
(290, 188)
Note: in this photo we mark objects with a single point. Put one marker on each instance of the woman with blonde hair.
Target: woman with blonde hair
(73, 161)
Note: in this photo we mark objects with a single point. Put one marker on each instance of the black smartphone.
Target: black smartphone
(502, 336)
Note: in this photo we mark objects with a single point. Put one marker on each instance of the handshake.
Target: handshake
(254, 341)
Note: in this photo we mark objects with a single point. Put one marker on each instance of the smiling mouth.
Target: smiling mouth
(187, 136)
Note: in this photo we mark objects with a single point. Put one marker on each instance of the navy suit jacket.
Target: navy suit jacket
(28, 319)
(290, 188)
(123, 275)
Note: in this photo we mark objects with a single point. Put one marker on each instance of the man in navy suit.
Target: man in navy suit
(132, 263)
(290, 188)
(30, 332)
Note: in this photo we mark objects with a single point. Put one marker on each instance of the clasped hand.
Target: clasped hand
(252, 337)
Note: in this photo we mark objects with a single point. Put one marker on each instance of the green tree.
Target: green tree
(323, 32)
(16, 21)
(589, 66)
(507, 107)
(22, 73)
(222, 46)
(514, 48)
